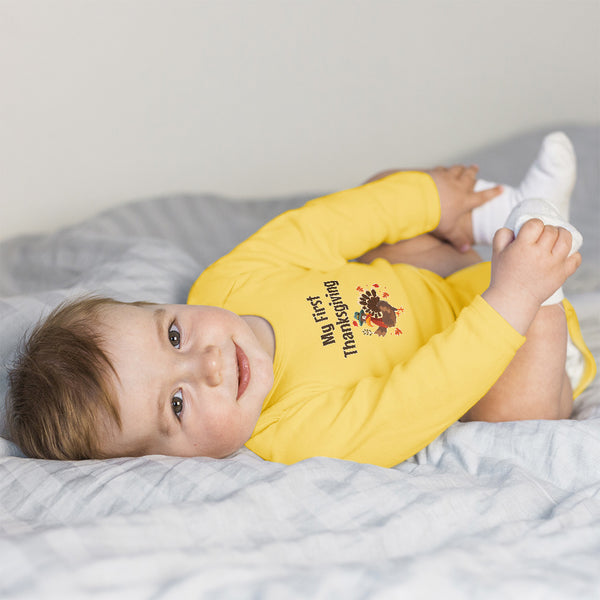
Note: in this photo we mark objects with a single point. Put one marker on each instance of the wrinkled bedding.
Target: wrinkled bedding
(486, 511)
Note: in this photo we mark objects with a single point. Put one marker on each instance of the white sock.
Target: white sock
(534, 208)
(551, 176)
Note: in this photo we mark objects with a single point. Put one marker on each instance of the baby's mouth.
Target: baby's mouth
(243, 371)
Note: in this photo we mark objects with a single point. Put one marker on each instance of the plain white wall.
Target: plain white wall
(104, 101)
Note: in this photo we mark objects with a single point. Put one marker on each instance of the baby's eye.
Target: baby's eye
(177, 403)
(174, 335)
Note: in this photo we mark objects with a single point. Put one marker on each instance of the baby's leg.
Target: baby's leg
(426, 252)
(535, 384)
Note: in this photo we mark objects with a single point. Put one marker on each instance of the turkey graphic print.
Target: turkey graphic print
(376, 315)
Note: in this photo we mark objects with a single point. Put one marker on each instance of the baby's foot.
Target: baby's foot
(551, 177)
(552, 174)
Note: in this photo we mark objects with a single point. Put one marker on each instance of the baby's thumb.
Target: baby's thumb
(484, 196)
(502, 239)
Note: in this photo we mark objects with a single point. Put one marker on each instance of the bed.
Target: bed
(506, 510)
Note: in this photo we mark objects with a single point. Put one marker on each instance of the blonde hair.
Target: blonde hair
(60, 387)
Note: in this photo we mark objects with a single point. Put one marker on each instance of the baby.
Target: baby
(290, 346)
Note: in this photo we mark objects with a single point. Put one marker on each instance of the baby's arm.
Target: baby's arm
(528, 269)
(525, 271)
(328, 231)
(456, 188)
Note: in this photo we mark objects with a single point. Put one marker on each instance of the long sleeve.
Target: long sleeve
(384, 420)
(330, 230)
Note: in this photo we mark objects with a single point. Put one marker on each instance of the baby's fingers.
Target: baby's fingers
(470, 173)
(531, 231)
(502, 238)
(549, 238)
(572, 263)
(457, 171)
(479, 198)
(563, 243)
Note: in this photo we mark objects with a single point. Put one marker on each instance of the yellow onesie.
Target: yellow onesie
(372, 362)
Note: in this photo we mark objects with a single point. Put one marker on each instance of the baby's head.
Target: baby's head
(100, 378)
(60, 388)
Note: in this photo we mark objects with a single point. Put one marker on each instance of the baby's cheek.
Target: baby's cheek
(224, 432)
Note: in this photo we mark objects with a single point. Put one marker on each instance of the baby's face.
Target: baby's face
(191, 379)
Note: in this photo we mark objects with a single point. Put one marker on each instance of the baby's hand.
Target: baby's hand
(457, 199)
(528, 269)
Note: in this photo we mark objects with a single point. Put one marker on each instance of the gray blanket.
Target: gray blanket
(506, 510)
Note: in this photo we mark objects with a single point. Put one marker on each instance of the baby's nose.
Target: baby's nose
(212, 365)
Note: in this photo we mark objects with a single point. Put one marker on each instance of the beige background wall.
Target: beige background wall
(103, 101)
